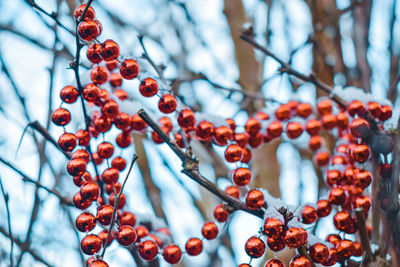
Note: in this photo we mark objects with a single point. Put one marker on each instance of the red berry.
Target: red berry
(89, 15)
(167, 104)
(172, 254)
(67, 142)
(148, 250)
(254, 247)
(126, 235)
(148, 87)
(88, 30)
(109, 50)
(194, 246)
(129, 69)
(91, 244)
(209, 230)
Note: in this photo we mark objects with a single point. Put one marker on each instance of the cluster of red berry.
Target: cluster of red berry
(346, 175)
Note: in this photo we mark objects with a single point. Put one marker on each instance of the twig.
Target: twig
(190, 168)
(286, 68)
(362, 230)
(26, 178)
(148, 58)
(20, 244)
(53, 15)
(116, 202)
(43, 131)
(6, 199)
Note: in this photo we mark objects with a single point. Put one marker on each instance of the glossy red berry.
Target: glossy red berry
(91, 92)
(67, 142)
(85, 222)
(79, 202)
(93, 53)
(90, 191)
(194, 246)
(137, 123)
(129, 69)
(126, 235)
(386, 113)
(313, 127)
(273, 228)
(308, 214)
(275, 244)
(343, 221)
(304, 110)
(109, 50)
(274, 263)
(254, 247)
(186, 119)
(119, 163)
(233, 191)
(99, 263)
(148, 87)
(220, 213)
(295, 237)
(356, 107)
(294, 130)
(148, 250)
(323, 208)
(233, 153)
(104, 214)
(172, 254)
(204, 131)
(255, 199)
(61, 117)
(99, 75)
(252, 126)
(241, 176)
(300, 261)
(282, 113)
(209, 230)
(88, 30)
(90, 14)
(127, 218)
(76, 167)
(167, 104)
(105, 150)
(110, 175)
(360, 153)
(275, 129)
(324, 106)
(69, 94)
(91, 244)
(319, 253)
(359, 128)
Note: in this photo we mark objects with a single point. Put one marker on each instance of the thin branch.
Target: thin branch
(26, 178)
(6, 200)
(362, 230)
(52, 15)
(286, 68)
(116, 202)
(148, 58)
(44, 132)
(21, 245)
(190, 168)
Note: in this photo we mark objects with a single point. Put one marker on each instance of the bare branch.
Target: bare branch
(6, 200)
